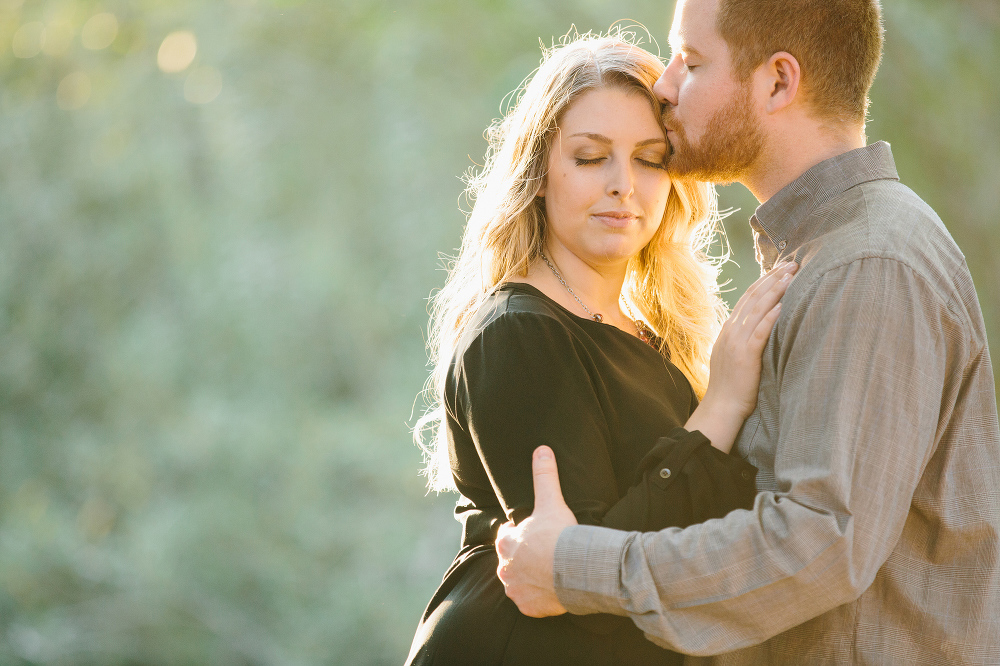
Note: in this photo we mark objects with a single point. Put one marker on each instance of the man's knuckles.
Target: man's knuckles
(506, 545)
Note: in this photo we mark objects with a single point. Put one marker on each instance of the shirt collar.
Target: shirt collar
(780, 223)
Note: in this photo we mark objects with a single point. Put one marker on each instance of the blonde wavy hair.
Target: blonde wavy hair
(672, 281)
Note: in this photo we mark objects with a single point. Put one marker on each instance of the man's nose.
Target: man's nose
(667, 85)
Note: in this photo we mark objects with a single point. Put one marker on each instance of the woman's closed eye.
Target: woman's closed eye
(646, 161)
(653, 159)
(651, 163)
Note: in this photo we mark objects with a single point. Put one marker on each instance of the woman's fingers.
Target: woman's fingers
(762, 332)
(761, 287)
(736, 356)
(766, 299)
(754, 310)
(765, 295)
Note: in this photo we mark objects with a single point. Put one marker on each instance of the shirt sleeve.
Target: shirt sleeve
(860, 360)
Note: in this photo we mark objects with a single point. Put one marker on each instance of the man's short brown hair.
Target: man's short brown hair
(838, 44)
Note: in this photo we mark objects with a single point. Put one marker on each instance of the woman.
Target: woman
(580, 314)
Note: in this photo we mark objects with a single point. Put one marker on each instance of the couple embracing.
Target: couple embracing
(830, 495)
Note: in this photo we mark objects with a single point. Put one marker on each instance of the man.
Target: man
(875, 536)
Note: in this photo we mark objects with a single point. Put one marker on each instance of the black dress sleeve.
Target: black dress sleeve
(682, 481)
(527, 381)
(524, 382)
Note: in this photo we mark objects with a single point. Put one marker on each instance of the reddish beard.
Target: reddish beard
(731, 144)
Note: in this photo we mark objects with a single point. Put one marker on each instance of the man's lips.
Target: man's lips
(671, 139)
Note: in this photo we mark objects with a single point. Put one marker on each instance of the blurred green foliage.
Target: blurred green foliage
(212, 299)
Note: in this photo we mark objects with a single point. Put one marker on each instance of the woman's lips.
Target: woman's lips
(617, 219)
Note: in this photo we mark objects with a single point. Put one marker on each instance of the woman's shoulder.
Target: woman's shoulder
(514, 304)
(519, 314)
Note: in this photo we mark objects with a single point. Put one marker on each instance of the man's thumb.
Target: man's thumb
(545, 474)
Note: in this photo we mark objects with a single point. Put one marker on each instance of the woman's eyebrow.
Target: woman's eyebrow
(600, 138)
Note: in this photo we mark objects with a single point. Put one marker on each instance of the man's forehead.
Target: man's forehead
(693, 24)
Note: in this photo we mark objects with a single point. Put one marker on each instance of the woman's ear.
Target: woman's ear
(783, 76)
(541, 189)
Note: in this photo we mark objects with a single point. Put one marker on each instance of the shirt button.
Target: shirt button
(747, 475)
(782, 245)
(664, 473)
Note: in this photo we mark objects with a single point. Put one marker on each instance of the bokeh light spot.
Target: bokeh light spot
(99, 31)
(28, 39)
(73, 91)
(203, 85)
(177, 51)
(57, 38)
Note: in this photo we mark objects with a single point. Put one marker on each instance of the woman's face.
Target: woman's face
(606, 187)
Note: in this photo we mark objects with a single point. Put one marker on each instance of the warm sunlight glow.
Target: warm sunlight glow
(28, 39)
(57, 38)
(177, 51)
(99, 32)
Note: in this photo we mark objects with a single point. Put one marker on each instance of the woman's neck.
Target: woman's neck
(597, 287)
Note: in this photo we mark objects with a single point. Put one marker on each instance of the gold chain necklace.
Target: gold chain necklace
(643, 331)
(595, 316)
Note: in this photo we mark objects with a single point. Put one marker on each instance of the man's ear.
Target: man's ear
(782, 75)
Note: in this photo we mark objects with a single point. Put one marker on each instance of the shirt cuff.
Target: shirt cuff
(587, 566)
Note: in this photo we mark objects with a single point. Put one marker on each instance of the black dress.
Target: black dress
(528, 373)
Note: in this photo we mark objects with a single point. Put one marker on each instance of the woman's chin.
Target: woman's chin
(620, 252)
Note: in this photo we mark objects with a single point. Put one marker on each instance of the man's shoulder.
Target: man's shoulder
(885, 232)
(898, 219)
(886, 220)
(883, 218)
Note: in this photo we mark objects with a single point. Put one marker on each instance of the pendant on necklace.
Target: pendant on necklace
(598, 318)
(644, 333)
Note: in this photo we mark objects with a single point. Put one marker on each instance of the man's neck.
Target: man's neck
(789, 155)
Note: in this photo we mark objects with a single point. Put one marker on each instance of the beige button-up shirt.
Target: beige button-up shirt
(875, 535)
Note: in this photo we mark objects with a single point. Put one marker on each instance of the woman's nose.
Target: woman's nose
(621, 185)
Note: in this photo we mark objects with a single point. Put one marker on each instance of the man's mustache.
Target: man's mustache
(668, 120)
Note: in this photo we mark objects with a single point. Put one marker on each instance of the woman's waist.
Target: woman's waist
(479, 523)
